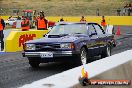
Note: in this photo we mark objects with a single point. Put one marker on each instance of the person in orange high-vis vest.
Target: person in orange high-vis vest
(2, 26)
(25, 24)
(42, 22)
(83, 19)
(103, 22)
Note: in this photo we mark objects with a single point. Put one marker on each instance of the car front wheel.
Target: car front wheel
(83, 56)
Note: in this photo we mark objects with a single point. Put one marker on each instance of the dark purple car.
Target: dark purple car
(75, 42)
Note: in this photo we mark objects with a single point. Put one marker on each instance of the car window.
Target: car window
(91, 30)
(98, 29)
(68, 29)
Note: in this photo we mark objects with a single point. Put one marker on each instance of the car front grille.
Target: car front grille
(47, 47)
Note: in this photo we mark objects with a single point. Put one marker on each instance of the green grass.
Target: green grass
(65, 7)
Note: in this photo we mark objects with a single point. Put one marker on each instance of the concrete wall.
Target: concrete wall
(123, 71)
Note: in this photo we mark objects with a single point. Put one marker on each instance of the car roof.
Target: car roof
(64, 23)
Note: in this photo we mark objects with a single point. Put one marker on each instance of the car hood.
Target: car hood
(57, 40)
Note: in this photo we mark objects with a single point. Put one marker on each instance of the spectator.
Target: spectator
(25, 24)
(129, 11)
(18, 18)
(97, 12)
(38, 16)
(126, 6)
(42, 22)
(124, 11)
(103, 22)
(61, 20)
(2, 26)
(83, 19)
(118, 11)
(129, 5)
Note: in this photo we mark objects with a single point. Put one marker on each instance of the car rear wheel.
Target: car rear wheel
(83, 56)
(107, 52)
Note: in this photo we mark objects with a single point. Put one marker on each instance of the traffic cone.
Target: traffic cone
(83, 79)
(118, 31)
(84, 73)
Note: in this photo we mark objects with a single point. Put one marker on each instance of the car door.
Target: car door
(101, 37)
(93, 44)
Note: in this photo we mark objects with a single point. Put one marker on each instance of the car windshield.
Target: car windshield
(68, 29)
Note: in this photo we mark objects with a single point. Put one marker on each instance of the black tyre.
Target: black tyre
(33, 63)
(83, 56)
(106, 52)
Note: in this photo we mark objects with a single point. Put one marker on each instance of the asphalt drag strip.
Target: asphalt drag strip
(15, 70)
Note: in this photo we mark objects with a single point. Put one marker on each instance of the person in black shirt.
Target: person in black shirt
(2, 26)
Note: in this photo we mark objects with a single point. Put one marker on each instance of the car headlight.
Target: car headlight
(30, 46)
(67, 45)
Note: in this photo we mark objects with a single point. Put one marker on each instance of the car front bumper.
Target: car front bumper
(55, 54)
